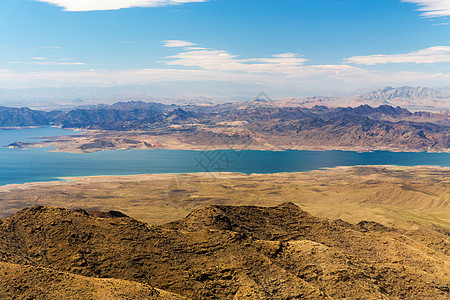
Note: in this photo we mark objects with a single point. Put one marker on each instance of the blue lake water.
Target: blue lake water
(31, 165)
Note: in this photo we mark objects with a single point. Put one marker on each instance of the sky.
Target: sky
(213, 48)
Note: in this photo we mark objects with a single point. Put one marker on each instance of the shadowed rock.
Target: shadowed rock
(232, 252)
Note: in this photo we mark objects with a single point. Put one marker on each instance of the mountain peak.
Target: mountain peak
(222, 252)
(405, 96)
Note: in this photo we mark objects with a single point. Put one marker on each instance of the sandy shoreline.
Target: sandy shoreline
(206, 175)
(182, 146)
(406, 196)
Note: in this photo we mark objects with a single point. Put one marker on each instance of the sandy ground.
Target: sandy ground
(408, 197)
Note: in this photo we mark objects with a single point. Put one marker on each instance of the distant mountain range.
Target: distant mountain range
(414, 98)
(256, 124)
(410, 97)
(18, 117)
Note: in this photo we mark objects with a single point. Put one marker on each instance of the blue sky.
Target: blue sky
(287, 47)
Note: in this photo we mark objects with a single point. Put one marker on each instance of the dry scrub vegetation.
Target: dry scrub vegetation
(404, 196)
(357, 233)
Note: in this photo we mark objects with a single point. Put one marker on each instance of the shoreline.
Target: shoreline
(201, 148)
(158, 176)
(407, 196)
(89, 141)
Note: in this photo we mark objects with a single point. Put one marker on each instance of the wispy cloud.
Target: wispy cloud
(432, 8)
(177, 44)
(48, 63)
(286, 71)
(47, 47)
(318, 78)
(93, 5)
(202, 65)
(430, 55)
(220, 60)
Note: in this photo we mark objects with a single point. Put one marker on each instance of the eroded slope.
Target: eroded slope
(226, 252)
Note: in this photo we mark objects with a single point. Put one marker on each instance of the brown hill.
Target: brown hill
(29, 282)
(226, 252)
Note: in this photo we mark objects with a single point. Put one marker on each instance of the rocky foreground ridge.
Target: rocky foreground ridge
(217, 252)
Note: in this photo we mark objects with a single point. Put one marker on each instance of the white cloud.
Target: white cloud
(280, 68)
(220, 60)
(47, 47)
(286, 71)
(275, 68)
(177, 44)
(430, 55)
(93, 5)
(432, 8)
(43, 61)
(311, 78)
(308, 78)
(47, 63)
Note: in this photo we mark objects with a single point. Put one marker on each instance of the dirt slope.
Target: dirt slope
(227, 252)
(29, 282)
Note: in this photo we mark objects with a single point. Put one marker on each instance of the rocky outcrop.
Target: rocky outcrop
(20, 117)
(227, 252)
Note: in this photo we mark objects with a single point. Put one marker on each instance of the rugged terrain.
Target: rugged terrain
(224, 252)
(23, 281)
(259, 124)
(413, 98)
(386, 236)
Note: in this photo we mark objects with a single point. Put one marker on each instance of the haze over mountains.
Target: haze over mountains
(405, 96)
(414, 98)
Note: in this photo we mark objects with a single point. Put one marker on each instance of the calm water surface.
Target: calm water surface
(31, 165)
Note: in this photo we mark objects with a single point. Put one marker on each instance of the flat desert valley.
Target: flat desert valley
(391, 195)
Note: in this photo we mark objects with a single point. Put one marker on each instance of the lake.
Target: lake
(37, 164)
